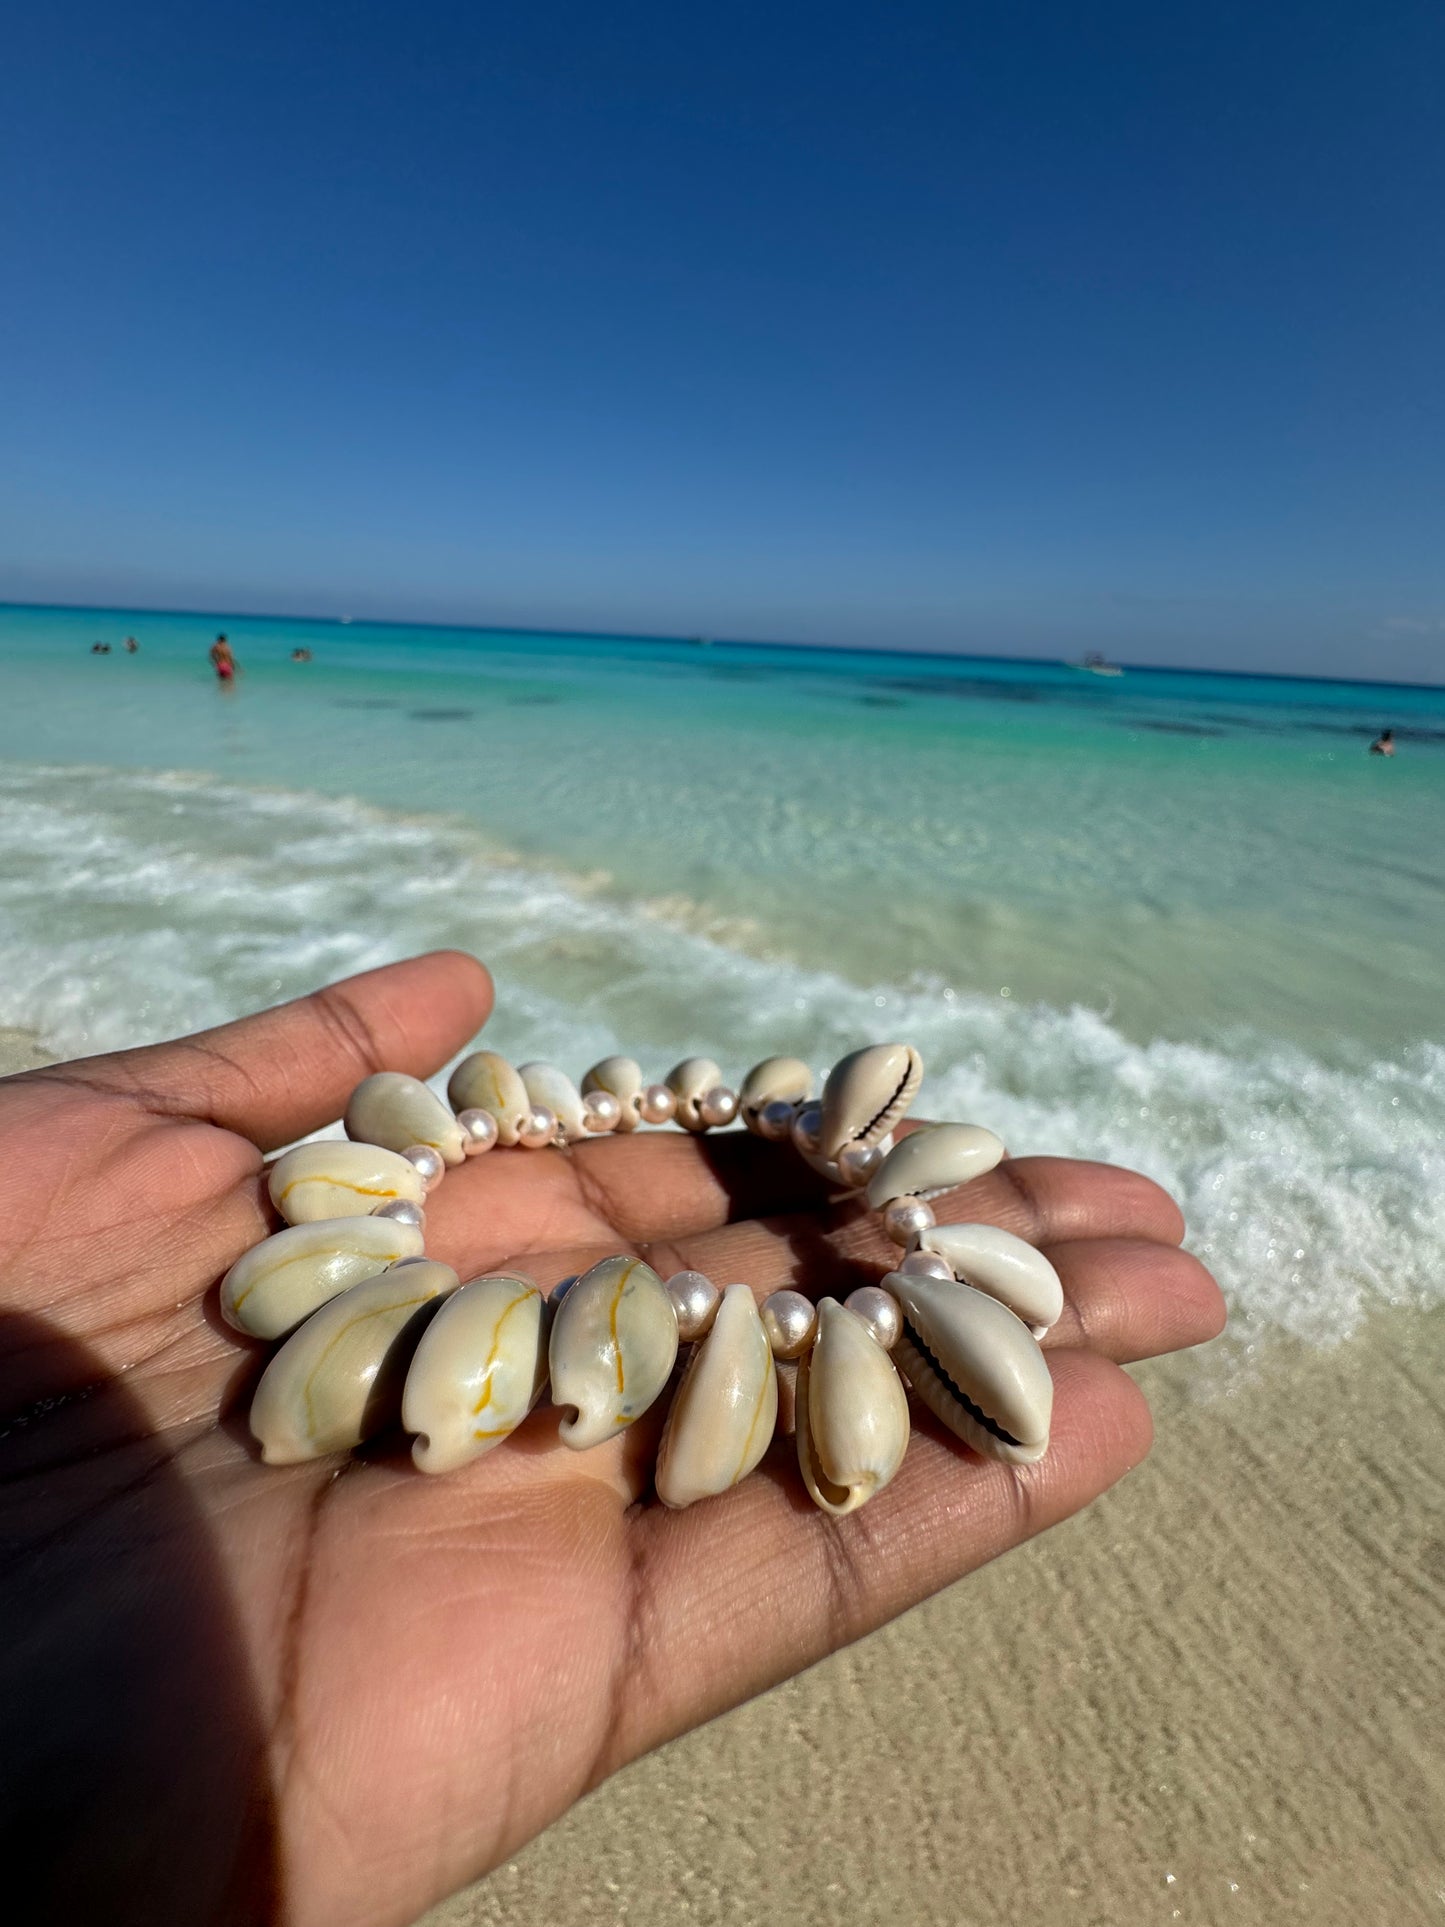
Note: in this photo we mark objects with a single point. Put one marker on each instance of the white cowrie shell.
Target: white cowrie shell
(851, 1413)
(554, 1091)
(486, 1082)
(935, 1159)
(775, 1080)
(333, 1179)
(975, 1366)
(1004, 1266)
(866, 1095)
(286, 1277)
(724, 1410)
(480, 1368)
(689, 1082)
(397, 1111)
(338, 1380)
(622, 1076)
(614, 1342)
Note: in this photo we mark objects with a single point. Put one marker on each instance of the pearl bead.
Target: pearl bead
(906, 1219)
(857, 1163)
(790, 1321)
(927, 1264)
(537, 1129)
(718, 1106)
(695, 1299)
(601, 1112)
(403, 1210)
(480, 1129)
(807, 1128)
(774, 1121)
(657, 1105)
(880, 1312)
(431, 1164)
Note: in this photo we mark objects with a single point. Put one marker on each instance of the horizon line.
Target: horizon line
(727, 642)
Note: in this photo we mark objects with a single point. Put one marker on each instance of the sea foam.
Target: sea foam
(135, 907)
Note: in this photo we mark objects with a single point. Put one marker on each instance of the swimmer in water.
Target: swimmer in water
(1384, 743)
(223, 661)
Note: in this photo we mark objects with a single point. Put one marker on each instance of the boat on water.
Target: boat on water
(1096, 665)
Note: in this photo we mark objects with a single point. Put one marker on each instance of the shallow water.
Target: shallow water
(1183, 921)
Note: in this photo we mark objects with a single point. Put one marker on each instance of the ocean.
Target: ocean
(1178, 920)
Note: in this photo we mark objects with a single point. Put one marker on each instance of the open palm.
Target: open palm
(334, 1692)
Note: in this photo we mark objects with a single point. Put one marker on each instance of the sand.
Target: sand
(22, 1050)
(1214, 1697)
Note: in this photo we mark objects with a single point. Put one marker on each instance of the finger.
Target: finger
(736, 1594)
(1044, 1200)
(287, 1071)
(1131, 1298)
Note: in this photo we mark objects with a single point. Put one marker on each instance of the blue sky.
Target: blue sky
(1021, 329)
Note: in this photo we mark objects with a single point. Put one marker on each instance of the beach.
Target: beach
(1181, 922)
(1211, 1698)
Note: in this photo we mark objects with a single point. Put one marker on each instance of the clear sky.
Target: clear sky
(1020, 328)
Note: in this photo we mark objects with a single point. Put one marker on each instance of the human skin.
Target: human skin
(329, 1694)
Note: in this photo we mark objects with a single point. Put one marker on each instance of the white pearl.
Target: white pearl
(657, 1105)
(480, 1128)
(695, 1299)
(926, 1264)
(538, 1128)
(906, 1219)
(774, 1121)
(601, 1112)
(790, 1321)
(880, 1312)
(718, 1106)
(857, 1163)
(807, 1128)
(403, 1210)
(430, 1163)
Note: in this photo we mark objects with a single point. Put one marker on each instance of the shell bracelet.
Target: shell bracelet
(372, 1330)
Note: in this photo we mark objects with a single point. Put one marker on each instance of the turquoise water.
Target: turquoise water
(1180, 919)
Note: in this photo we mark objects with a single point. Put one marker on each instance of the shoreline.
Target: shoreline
(1212, 1697)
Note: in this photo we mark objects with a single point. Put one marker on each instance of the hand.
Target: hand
(333, 1693)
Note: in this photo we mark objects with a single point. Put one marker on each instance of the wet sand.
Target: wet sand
(22, 1050)
(1214, 1697)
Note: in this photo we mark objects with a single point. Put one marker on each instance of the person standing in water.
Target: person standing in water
(1384, 743)
(223, 661)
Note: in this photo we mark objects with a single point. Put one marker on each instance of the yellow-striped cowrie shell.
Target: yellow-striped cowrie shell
(614, 1342)
(486, 1082)
(397, 1112)
(338, 1180)
(293, 1272)
(480, 1368)
(338, 1380)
